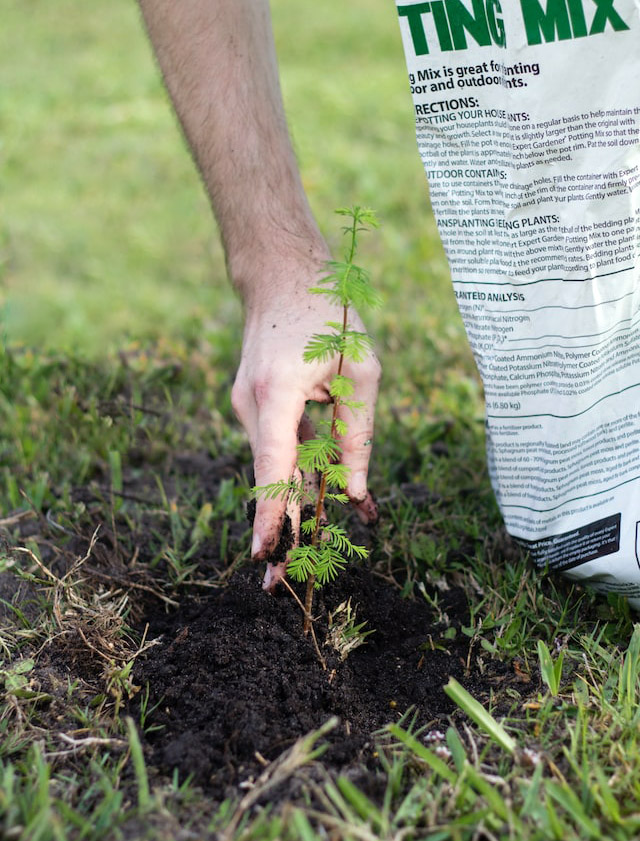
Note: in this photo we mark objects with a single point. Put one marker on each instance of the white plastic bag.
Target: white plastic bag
(528, 124)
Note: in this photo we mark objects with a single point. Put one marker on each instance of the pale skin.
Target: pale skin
(219, 64)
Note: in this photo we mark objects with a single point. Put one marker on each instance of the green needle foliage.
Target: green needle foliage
(326, 547)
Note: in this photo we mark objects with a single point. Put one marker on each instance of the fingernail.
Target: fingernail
(273, 574)
(266, 581)
(256, 544)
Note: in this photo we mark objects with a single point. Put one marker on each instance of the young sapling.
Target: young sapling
(325, 548)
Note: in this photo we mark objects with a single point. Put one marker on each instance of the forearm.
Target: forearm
(219, 64)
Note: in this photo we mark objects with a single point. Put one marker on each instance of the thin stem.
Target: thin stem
(308, 599)
(323, 662)
(352, 250)
(308, 604)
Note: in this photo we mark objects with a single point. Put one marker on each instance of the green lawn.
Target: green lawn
(120, 347)
(106, 232)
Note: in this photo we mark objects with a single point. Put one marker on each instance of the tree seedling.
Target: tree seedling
(325, 548)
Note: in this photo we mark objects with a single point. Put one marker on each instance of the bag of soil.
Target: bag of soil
(528, 124)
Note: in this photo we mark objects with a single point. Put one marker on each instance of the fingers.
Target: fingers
(275, 572)
(274, 461)
(358, 441)
(273, 575)
(271, 415)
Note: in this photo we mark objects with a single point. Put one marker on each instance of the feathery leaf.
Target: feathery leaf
(341, 386)
(317, 453)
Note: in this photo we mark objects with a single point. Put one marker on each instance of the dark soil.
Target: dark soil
(232, 681)
(235, 680)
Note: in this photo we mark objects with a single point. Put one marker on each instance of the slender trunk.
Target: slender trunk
(308, 598)
(308, 604)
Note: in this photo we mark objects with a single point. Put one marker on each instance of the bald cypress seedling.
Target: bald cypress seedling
(325, 548)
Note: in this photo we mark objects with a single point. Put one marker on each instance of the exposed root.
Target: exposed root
(323, 662)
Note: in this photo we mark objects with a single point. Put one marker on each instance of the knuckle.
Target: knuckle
(358, 443)
(263, 463)
(238, 398)
(262, 390)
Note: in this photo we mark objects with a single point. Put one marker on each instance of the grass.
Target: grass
(120, 346)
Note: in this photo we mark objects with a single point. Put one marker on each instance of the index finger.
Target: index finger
(275, 458)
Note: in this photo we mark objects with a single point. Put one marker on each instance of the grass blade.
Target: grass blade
(572, 805)
(549, 671)
(416, 747)
(364, 807)
(482, 718)
(302, 826)
(628, 676)
(137, 757)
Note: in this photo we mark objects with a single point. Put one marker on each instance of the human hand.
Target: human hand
(272, 387)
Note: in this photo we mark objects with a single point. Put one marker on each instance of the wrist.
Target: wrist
(274, 264)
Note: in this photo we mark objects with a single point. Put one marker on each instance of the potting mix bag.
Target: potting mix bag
(528, 124)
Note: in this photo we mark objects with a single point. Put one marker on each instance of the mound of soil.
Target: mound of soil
(236, 682)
